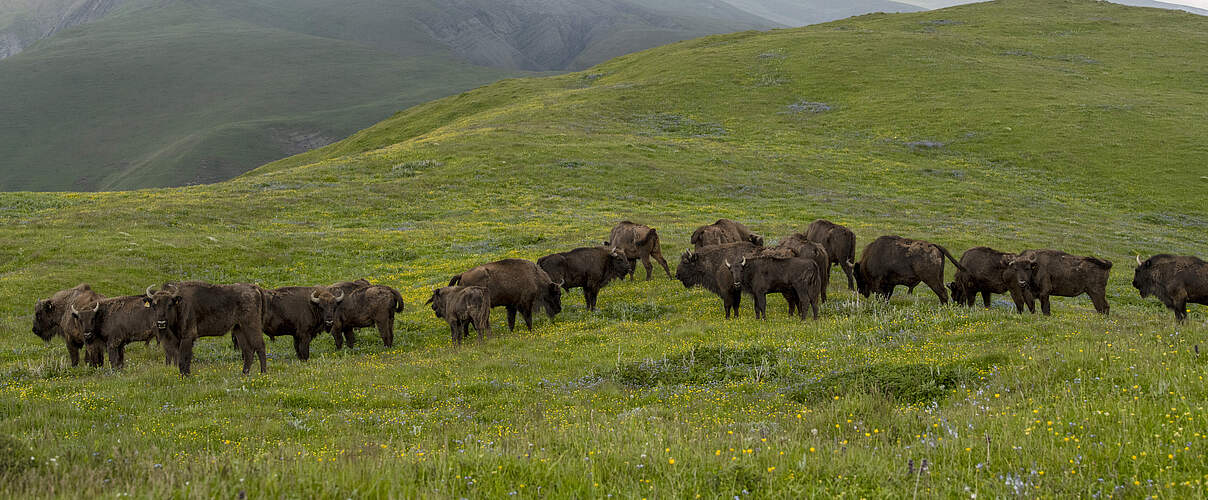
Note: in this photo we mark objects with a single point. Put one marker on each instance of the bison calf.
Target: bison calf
(1044, 273)
(890, 261)
(590, 268)
(1175, 280)
(364, 307)
(638, 241)
(462, 306)
(518, 285)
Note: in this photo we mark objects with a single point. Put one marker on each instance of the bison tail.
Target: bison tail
(455, 280)
(398, 300)
(1105, 264)
(951, 258)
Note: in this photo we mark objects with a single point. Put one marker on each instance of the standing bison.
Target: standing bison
(804, 247)
(724, 231)
(518, 285)
(987, 271)
(890, 261)
(373, 305)
(840, 245)
(1175, 280)
(189, 310)
(112, 324)
(796, 277)
(590, 268)
(49, 314)
(462, 306)
(707, 268)
(1044, 273)
(301, 312)
(638, 241)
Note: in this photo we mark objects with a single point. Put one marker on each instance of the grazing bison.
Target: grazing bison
(1175, 280)
(724, 231)
(462, 306)
(707, 268)
(890, 261)
(638, 241)
(365, 307)
(589, 267)
(804, 247)
(113, 323)
(1043, 273)
(840, 245)
(302, 312)
(517, 285)
(189, 310)
(49, 314)
(796, 277)
(987, 271)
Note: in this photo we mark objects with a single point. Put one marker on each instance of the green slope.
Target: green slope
(1070, 124)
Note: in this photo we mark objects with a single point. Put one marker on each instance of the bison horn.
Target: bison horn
(97, 307)
(563, 282)
(726, 262)
(314, 296)
(1138, 260)
(744, 261)
(341, 297)
(149, 292)
(73, 310)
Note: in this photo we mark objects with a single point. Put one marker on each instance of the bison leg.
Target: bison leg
(938, 288)
(350, 336)
(117, 358)
(847, 269)
(1044, 304)
(1099, 298)
(73, 352)
(590, 294)
(791, 299)
(385, 327)
(185, 361)
(454, 334)
(527, 313)
(302, 346)
(94, 355)
(663, 262)
(511, 317)
(761, 306)
(633, 268)
(646, 264)
(170, 345)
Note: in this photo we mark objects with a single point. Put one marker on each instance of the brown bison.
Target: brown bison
(112, 324)
(365, 307)
(49, 314)
(517, 285)
(987, 271)
(804, 247)
(1175, 280)
(840, 245)
(890, 261)
(724, 231)
(1044, 273)
(301, 312)
(796, 277)
(589, 267)
(638, 241)
(348, 286)
(462, 306)
(189, 310)
(707, 268)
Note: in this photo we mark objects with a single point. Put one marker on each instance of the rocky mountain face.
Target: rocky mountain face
(29, 21)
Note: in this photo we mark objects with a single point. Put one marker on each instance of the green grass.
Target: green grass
(1073, 125)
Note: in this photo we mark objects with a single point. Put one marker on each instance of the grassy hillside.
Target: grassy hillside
(1016, 124)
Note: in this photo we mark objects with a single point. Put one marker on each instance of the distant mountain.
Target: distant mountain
(939, 4)
(801, 13)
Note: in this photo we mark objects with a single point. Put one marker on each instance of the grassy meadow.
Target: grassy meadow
(1015, 124)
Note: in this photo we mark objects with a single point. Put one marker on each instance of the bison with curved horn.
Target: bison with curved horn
(1045, 273)
(301, 312)
(1175, 280)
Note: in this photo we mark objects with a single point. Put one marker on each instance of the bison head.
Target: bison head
(1023, 271)
(78, 324)
(618, 264)
(1144, 280)
(325, 303)
(551, 300)
(164, 304)
(732, 272)
(755, 239)
(862, 284)
(689, 271)
(438, 302)
(46, 318)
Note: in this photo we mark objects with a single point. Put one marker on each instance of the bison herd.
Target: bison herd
(727, 259)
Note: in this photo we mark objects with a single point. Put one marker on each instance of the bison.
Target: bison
(189, 310)
(1044, 273)
(987, 271)
(840, 245)
(49, 314)
(113, 323)
(638, 241)
(364, 307)
(890, 261)
(1175, 280)
(462, 306)
(796, 277)
(707, 268)
(804, 247)
(518, 285)
(724, 231)
(302, 312)
(589, 267)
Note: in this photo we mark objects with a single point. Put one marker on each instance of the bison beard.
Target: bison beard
(590, 268)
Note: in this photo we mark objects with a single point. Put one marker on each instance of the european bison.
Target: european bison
(113, 323)
(301, 312)
(517, 285)
(589, 267)
(724, 231)
(462, 306)
(707, 268)
(765, 272)
(1175, 280)
(365, 307)
(1044, 273)
(349, 286)
(49, 314)
(890, 261)
(987, 271)
(189, 310)
(840, 245)
(638, 241)
(804, 247)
